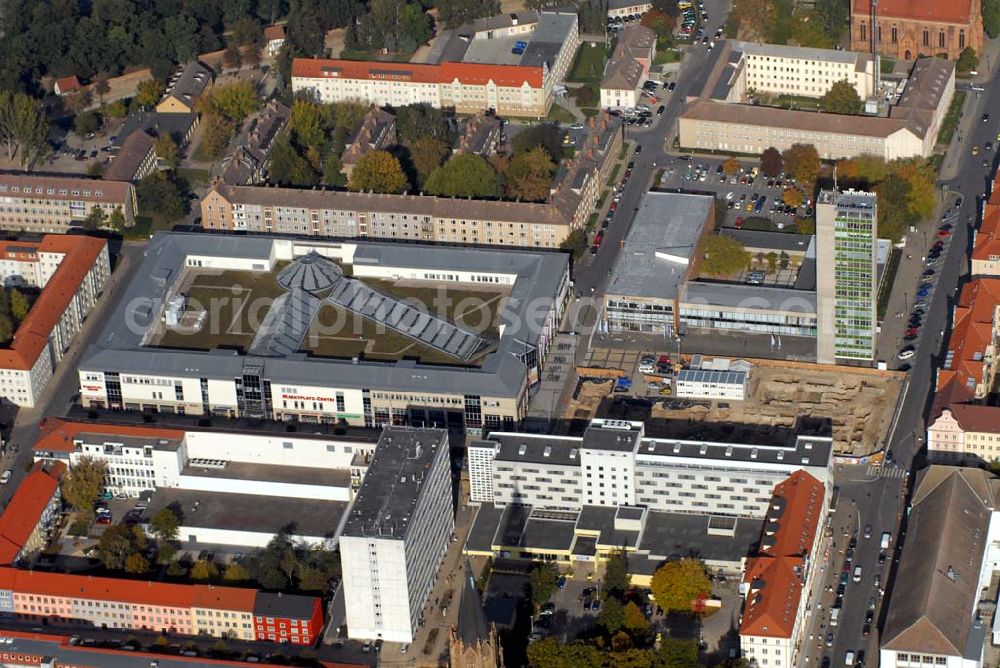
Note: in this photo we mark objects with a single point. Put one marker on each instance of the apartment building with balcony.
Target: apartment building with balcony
(43, 204)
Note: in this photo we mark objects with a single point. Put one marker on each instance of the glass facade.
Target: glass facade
(854, 283)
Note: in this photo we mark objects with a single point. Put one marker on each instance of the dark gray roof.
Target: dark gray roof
(134, 150)
(256, 513)
(712, 376)
(176, 126)
(945, 545)
(779, 241)
(56, 648)
(291, 606)
(189, 82)
(484, 528)
(750, 297)
(472, 626)
(394, 482)
(550, 34)
(543, 533)
(670, 223)
(621, 438)
(536, 448)
(812, 451)
(602, 519)
(119, 345)
(675, 535)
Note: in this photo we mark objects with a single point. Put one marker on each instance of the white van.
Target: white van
(834, 616)
(849, 658)
(886, 537)
(857, 574)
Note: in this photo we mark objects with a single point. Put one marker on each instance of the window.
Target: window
(927, 37)
(941, 39)
(862, 31)
(961, 40)
(894, 35)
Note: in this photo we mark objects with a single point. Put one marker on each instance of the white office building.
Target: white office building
(397, 534)
(615, 464)
(710, 384)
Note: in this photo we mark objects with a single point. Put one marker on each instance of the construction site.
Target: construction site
(853, 404)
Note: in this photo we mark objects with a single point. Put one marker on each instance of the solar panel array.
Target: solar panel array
(415, 323)
(285, 324)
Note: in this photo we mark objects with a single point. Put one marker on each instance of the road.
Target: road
(876, 496)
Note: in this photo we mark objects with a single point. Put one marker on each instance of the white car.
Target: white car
(729, 196)
(906, 353)
(5, 478)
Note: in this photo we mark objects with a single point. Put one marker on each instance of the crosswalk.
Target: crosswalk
(889, 471)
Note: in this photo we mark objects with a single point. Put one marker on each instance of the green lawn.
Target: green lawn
(950, 121)
(560, 115)
(194, 177)
(589, 64)
(667, 56)
(796, 102)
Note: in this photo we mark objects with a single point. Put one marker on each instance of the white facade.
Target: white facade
(805, 72)
(698, 384)
(390, 564)
(619, 98)
(769, 652)
(661, 474)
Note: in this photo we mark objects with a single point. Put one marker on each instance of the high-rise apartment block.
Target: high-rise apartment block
(397, 533)
(846, 281)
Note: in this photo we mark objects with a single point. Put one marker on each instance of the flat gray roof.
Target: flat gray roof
(806, 451)
(249, 512)
(394, 482)
(300, 475)
(779, 241)
(119, 347)
(536, 448)
(707, 376)
(670, 223)
(799, 52)
(676, 535)
(749, 297)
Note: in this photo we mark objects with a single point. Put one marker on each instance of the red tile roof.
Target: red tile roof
(970, 335)
(68, 84)
(272, 33)
(774, 576)
(32, 335)
(987, 242)
(25, 509)
(57, 434)
(974, 417)
(125, 591)
(467, 73)
(945, 11)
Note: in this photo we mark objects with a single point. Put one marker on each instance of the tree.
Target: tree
(677, 653)
(286, 167)
(160, 195)
(333, 171)
(659, 22)
(149, 92)
(95, 170)
(6, 328)
(114, 109)
(548, 136)
(82, 485)
(165, 524)
(418, 121)
(116, 545)
(231, 57)
(101, 87)
(730, 166)
(236, 573)
(166, 150)
(991, 16)
(616, 578)
(635, 620)
(234, 101)
(529, 176)
(722, 255)
(771, 163)
(378, 172)
(216, 133)
(116, 220)
(204, 570)
(19, 304)
(551, 653)
(802, 162)
(454, 13)
(792, 197)
(677, 584)
(136, 564)
(23, 127)
(842, 98)
(426, 155)
(542, 583)
(611, 616)
(575, 242)
(465, 175)
(894, 215)
(245, 30)
(86, 122)
(967, 60)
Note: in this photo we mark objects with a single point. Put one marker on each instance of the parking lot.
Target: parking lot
(740, 193)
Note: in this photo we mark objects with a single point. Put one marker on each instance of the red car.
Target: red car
(663, 359)
(613, 207)
(739, 223)
(598, 239)
(944, 233)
